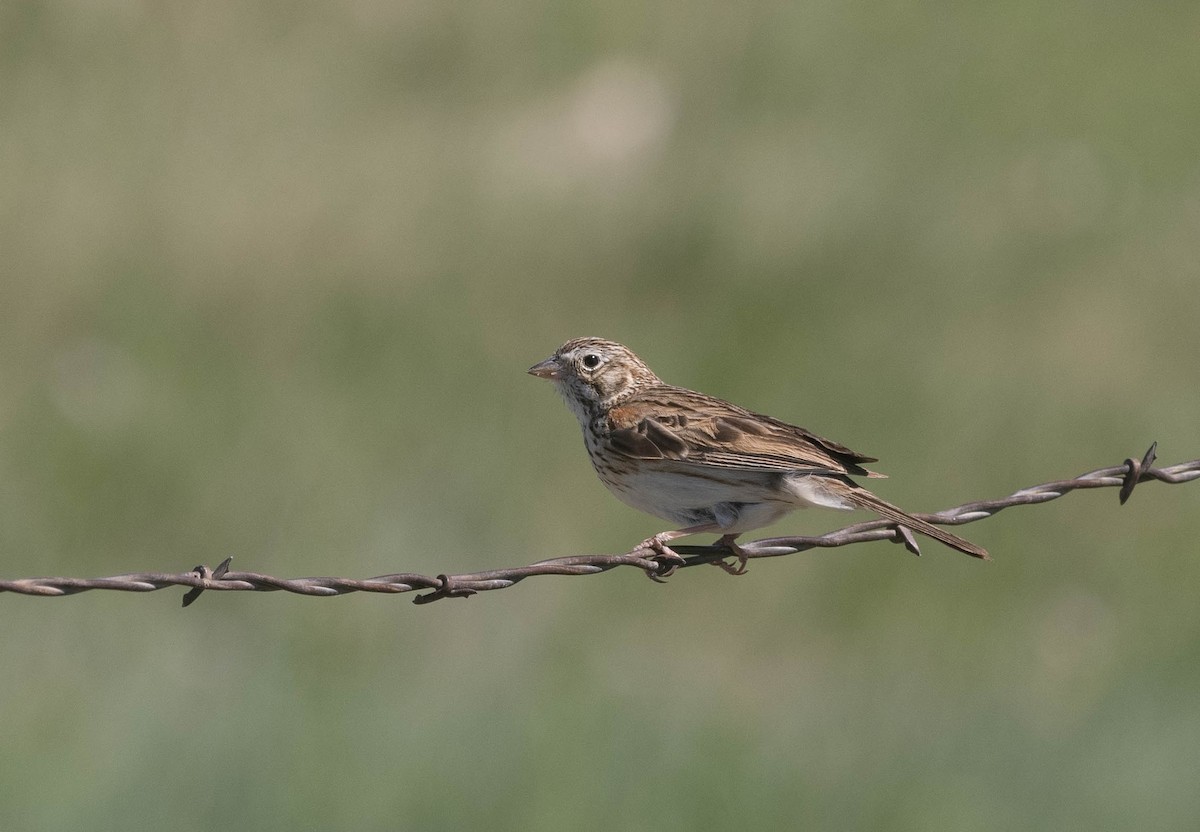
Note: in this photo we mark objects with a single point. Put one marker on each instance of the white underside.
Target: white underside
(736, 501)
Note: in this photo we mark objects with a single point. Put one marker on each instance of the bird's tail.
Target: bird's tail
(861, 498)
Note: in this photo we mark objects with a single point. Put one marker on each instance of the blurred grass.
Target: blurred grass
(273, 273)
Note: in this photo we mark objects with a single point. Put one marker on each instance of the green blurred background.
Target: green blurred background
(272, 275)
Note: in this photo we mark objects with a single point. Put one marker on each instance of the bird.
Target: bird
(703, 464)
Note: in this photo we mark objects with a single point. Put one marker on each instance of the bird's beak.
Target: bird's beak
(547, 369)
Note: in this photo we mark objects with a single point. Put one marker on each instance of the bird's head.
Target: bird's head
(593, 374)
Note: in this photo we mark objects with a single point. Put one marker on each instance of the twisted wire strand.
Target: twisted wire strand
(201, 578)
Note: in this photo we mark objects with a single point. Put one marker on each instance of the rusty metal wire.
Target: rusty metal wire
(1124, 476)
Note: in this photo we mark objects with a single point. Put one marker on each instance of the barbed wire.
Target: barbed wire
(1124, 476)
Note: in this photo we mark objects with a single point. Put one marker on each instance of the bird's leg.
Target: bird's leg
(664, 554)
(738, 552)
(658, 542)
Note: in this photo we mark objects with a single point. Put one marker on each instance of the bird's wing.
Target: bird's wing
(678, 424)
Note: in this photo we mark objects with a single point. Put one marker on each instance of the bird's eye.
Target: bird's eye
(591, 361)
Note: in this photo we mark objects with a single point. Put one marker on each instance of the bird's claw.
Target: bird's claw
(737, 551)
(666, 559)
(738, 568)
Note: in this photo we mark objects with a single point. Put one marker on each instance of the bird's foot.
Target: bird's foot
(668, 560)
(738, 552)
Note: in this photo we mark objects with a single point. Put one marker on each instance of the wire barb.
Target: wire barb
(1124, 477)
(1134, 475)
(448, 588)
(206, 575)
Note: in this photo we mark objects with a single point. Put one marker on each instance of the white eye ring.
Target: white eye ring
(591, 361)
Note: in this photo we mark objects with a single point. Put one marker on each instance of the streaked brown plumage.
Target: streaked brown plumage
(702, 463)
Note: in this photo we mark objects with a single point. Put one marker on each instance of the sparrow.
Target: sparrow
(704, 464)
